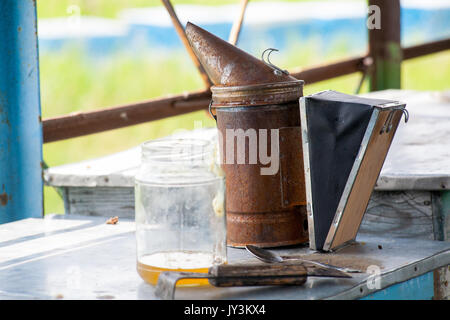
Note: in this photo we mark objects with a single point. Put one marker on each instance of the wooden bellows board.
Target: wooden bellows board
(345, 142)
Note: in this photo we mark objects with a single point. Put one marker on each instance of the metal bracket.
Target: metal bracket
(210, 111)
(387, 127)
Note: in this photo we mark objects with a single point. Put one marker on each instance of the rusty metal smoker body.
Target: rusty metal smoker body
(249, 95)
(265, 210)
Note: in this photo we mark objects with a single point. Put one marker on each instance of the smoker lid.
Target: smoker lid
(238, 77)
(334, 96)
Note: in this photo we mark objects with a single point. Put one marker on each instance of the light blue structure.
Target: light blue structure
(20, 114)
(419, 288)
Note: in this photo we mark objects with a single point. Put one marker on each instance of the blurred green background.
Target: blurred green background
(71, 82)
(110, 8)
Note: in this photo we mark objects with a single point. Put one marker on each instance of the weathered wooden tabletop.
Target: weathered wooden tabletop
(72, 257)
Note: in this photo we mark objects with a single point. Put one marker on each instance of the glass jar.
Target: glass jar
(180, 209)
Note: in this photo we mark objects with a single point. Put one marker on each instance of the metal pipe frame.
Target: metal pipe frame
(21, 184)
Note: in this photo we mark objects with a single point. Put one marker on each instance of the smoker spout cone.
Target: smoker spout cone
(227, 65)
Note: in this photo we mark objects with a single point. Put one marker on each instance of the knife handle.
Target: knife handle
(257, 275)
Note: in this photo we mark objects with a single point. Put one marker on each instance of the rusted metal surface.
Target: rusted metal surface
(180, 30)
(237, 25)
(441, 278)
(324, 72)
(256, 210)
(228, 65)
(4, 198)
(251, 96)
(292, 179)
(84, 123)
(256, 95)
(425, 49)
(266, 230)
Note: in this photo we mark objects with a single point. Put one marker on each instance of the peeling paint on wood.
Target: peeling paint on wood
(441, 283)
(399, 213)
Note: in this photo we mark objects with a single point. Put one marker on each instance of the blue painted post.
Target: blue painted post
(20, 114)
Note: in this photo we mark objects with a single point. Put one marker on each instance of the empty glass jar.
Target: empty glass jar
(180, 208)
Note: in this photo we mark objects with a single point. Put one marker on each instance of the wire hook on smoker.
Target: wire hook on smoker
(276, 70)
(210, 111)
(388, 124)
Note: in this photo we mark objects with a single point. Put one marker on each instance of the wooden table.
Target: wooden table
(409, 207)
(411, 198)
(79, 257)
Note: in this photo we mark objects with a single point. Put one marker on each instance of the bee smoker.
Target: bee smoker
(257, 112)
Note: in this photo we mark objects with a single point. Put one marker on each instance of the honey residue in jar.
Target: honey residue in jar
(150, 266)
